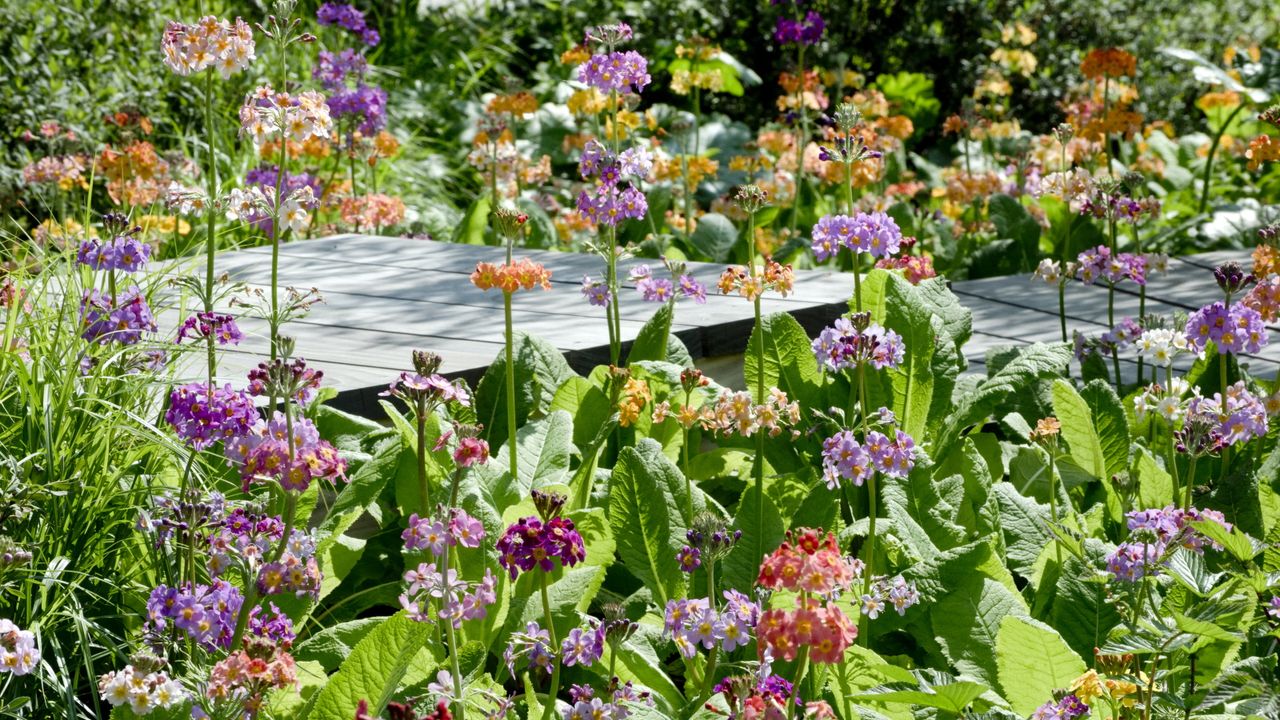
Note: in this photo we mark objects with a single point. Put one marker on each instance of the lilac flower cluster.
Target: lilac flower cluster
(1153, 533)
(268, 452)
(1235, 329)
(1104, 205)
(436, 535)
(843, 457)
(583, 646)
(885, 592)
(276, 627)
(267, 177)
(246, 540)
(584, 705)
(285, 379)
(606, 202)
(616, 71)
(530, 543)
(848, 344)
(596, 291)
(122, 319)
(333, 69)
(222, 328)
(533, 645)
(206, 613)
(459, 599)
(876, 233)
(346, 16)
(1100, 263)
(808, 31)
(202, 416)
(1241, 419)
(363, 107)
(431, 388)
(1068, 708)
(125, 253)
(656, 289)
(693, 621)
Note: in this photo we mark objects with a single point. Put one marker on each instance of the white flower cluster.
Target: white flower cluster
(142, 692)
(256, 205)
(208, 43)
(1167, 402)
(18, 652)
(267, 113)
(1162, 345)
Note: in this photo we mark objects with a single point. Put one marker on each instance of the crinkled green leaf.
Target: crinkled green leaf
(374, 669)
(1033, 661)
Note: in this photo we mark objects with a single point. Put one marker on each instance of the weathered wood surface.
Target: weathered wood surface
(385, 297)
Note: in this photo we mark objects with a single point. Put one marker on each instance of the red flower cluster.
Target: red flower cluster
(810, 563)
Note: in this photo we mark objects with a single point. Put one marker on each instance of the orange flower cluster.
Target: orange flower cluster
(751, 284)
(1108, 62)
(1117, 121)
(575, 55)
(126, 119)
(807, 89)
(375, 210)
(519, 104)
(1266, 261)
(916, 268)
(137, 175)
(313, 147)
(1262, 149)
(523, 274)
(697, 167)
(1265, 297)
(635, 395)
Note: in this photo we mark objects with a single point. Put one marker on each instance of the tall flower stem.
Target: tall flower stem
(1111, 309)
(802, 668)
(1191, 480)
(1106, 110)
(1222, 382)
(1208, 161)
(1062, 306)
(211, 243)
(1053, 503)
(869, 562)
(511, 384)
(451, 633)
(709, 675)
(424, 501)
(1142, 299)
(549, 711)
(757, 349)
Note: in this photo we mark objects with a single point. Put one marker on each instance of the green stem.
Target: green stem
(451, 634)
(1213, 149)
(1106, 137)
(1062, 307)
(423, 498)
(802, 668)
(869, 562)
(549, 711)
(1053, 506)
(801, 135)
(511, 387)
(1191, 480)
(210, 244)
(1222, 381)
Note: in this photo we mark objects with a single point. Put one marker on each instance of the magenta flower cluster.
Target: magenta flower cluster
(1068, 708)
(692, 622)
(268, 452)
(123, 253)
(658, 289)
(438, 534)
(583, 646)
(531, 543)
(1100, 263)
(876, 233)
(845, 458)
(843, 346)
(122, 319)
(595, 291)
(616, 71)
(222, 328)
(1155, 532)
(203, 416)
(1235, 329)
(346, 16)
(806, 31)
(459, 599)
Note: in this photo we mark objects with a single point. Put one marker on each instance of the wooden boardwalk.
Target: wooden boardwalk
(385, 297)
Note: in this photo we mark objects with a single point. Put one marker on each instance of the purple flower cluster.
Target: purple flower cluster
(246, 540)
(346, 16)
(122, 319)
(606, 202)
(656, 289)
(268, 452)
(533, 645)
(206, 613)
(1243, 418)
(530, 543)
(190, 520)
(364, 107)
(436, 535)
(617, 71)
(266, 176)
(1235, 329)
(276, 627)
(432, 389)
(586, 706)
(1100, 263)
(874, 233)
(885, 591)
(1068, 708)
(1125, 333)
(595, 291)
(203, 416)
(221, 327)
(690, 558)
(693, 621)
(459, 599)
(1106, 206)
(843, 457)
(843, 346)
(291, 379)
(333, 69)
(125, 253)
(583, 646)
(808, 31)
(1153, 533)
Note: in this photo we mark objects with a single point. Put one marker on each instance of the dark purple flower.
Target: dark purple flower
(530, 543)
(206, 613)
(222, 328)
(333, 69)
(122, 320)
(800, 32)
(203, 417)
(346, 16)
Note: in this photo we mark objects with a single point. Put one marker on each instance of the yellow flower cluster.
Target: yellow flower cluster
(635, 395)
(1262, 149)
(520, 104)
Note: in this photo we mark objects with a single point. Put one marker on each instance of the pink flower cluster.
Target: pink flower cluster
(222, 328)
(459, 599)
(874, 233)
(848, 344)
(809, 563)
(1100, 263)
(208, 43)
(267, 113)
(18, 651)
(251, 674)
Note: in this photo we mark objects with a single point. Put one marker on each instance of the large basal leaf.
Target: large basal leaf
(651, 342)
(1155, 484)
(1084, 447)
(646, 519)
(1111, 424)
(762, 531)
(967, 620)
(540, 371)
(1033, 661)
(714, 237)
(330, 646)
(374, 669)
(588, 405)
(912, 379)
(1081, 610)
(1029, 364)
(543, 449)
(789, 363)
(1025, 524)
(1014, 222)
(474, 223)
